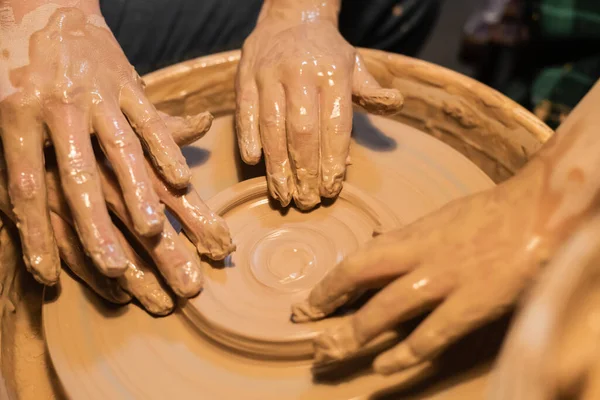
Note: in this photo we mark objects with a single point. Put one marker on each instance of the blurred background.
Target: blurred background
(544, 54)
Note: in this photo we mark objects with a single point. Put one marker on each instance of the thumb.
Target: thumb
(368, 94)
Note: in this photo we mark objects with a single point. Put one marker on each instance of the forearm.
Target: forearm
(570, 166)
(301, 10)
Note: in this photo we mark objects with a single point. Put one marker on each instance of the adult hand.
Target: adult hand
(467, 263)
(295, 85)
(75, 79)
(179, 267)
(471, 260)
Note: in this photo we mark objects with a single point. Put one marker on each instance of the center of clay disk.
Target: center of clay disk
(283, 258)
(289, 262)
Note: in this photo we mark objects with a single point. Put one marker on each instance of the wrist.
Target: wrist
(301, 10)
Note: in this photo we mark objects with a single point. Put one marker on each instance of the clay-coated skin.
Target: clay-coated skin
(552, 349)
(468, 262)
(179, 266)
(295, 85)
(62, 70)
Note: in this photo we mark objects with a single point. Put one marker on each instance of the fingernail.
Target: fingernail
(219, 243)
(111, 261)
(153, 220)
(279, 187)
(189, 280)
(212, 238)
(45, 269)
(304, 312)
(178, 174)
(332, 180)
(157, 302)
(251, 153)
(219, 252)
(336, 344)
(381, 101)
(307, 195)
(397, 359)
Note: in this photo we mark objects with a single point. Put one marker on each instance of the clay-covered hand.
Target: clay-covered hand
(179, 266)
(295, 85)
(467, 263)
(70, 76)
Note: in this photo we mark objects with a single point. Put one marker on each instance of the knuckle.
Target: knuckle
(152, 124)
(79, 171)
(270, 121)
(303, 127)
(247, 97)
(122, 140)
(25, 186)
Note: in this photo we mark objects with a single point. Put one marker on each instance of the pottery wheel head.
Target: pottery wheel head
(280, 256)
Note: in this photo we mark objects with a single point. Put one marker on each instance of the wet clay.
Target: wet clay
(519, 224)
(26, 368)
(499, 138)
(279, 257)
(295, 84)
(71, 77)
(177, 264)
(422, 174)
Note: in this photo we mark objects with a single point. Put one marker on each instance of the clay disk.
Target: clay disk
(281, 254)
(105, 352)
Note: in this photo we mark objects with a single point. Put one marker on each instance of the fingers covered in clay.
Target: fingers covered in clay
(207, 230)
(186, 130)
(295, 85)
(79, 179)
(247, 115)
(453, 319)
(336, 127)
(152, 130)
(367, 93)
(141, 281)
(273, 137)
(74, 257)
(443, 263)
(24, 161)
(381, 261)
(303, 136)
(124, 151)
(75, 81)
(180, 268)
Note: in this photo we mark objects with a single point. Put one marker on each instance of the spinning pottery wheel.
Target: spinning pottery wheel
(236, 338)
(280, 256)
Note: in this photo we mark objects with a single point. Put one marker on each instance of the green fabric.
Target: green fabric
(569, 18)
(560, 88)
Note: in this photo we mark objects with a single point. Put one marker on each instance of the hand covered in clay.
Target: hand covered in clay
(70, 76)
(468, 262)
(295, 85)
(179, 266)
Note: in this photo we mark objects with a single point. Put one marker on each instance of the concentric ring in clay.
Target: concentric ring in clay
(103, 352)
(281, 254)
